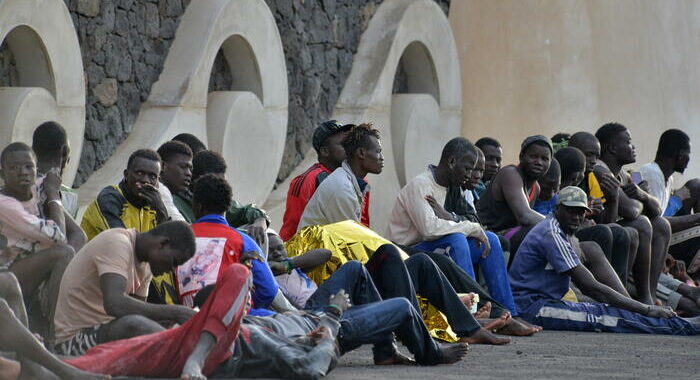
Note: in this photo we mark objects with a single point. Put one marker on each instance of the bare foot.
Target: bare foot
(515, 328)
(528, 324)
(483, 336)
(496, 323)
(484, 311)
(9, 369)
(397, 359)
(192, 371)
(453, 353)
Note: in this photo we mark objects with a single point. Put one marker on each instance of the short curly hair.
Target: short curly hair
(173, 147)
(208, 161)
(213, 193)
(358, 137)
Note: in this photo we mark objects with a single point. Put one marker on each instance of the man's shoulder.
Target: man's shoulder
(110, 194)
(339, 179)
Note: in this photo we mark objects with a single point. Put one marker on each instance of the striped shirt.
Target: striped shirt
(538, 272)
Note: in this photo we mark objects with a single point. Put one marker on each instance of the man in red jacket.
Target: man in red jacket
(328, 143)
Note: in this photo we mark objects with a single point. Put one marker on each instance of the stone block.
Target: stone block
(89, 8)
(170, 8)
(152, 20)
(121, 26)
(107, 92)
(124, 72)
(125, 4)
(108, 15)
(167, 28)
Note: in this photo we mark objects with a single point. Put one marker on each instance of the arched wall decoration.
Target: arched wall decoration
(51, 83)
(179, 100)
(414, 125)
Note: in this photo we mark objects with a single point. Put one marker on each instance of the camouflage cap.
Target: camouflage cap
(572, 196)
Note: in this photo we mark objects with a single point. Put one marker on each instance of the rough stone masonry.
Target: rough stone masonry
(124, 44)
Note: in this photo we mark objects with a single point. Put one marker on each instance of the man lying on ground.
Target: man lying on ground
(103, 292)
(545, 264)
(31, 360)
(392, 279)
(36, 233)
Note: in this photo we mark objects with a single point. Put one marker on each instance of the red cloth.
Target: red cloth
(164, 354)
(301, 189)
(234, 242)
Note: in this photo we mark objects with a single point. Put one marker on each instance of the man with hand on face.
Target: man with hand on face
(35, 235)
(544, 266)
(134, 203)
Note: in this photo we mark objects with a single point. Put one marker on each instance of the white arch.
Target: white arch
(417, 33)
(42, 38)
(178, 100)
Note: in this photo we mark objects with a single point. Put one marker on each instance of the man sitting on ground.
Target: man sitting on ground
(32, 360)
(673, 155)
(636, 206)
(134, 203)
(506, 205)
(549, 187)
(544, 266)
(493, 155)
(220, 245)
(175, 175)
(414, 222)
(328, 142)
(103, 292)
(37, 234)
(255, 219)
(50, 145)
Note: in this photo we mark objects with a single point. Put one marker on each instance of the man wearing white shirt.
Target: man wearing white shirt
(415, 222)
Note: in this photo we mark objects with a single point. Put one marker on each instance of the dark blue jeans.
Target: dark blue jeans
(371, 320)
(466, 253)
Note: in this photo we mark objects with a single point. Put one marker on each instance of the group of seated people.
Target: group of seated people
(166, 275)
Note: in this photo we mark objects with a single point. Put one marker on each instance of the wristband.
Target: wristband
(336, 308)
(288, 266)
(57, 201)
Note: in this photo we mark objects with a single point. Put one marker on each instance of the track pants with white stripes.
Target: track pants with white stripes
(600, 317)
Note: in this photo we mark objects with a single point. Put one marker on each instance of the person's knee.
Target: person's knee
(661, 227)
(493, 239)
(400, 307)
(421, 259)
(353, 266)
(9, 286)
(694, 186)
(235, 271)
(388, 252)
(643, 227)
(61, 253)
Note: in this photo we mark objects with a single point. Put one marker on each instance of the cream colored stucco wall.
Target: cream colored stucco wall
(538, 66)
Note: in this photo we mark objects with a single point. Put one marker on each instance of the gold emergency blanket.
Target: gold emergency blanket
(349, 240)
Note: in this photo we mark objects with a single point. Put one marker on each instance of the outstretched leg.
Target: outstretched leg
(46, 266)
(15, 337)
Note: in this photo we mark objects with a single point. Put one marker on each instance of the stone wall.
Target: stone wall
(124, 44)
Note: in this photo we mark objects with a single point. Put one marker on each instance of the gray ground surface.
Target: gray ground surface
(550, 355)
